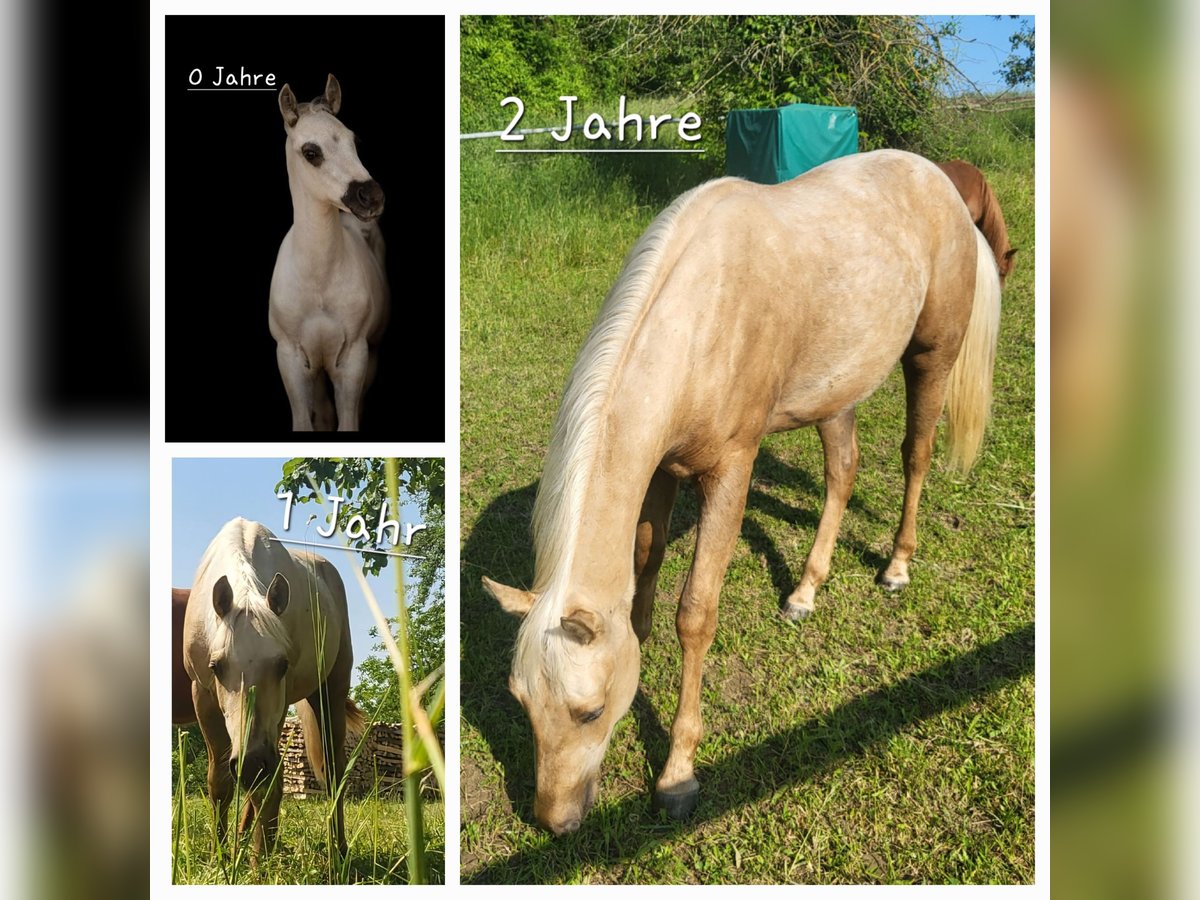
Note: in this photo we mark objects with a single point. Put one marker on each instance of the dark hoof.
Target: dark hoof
(891, 584)
(680, 802)
(794, 612)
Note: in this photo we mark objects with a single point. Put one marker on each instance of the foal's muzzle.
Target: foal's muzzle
(364, 199)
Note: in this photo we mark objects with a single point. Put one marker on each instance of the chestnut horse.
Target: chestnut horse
(266, 627)
(984, 209)
(743, 310)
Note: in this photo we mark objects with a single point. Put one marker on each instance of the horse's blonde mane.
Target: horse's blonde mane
(231, 554)
(579, 426)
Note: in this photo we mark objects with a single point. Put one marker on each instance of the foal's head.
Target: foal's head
(247, 672)
(322, 155)
(576, 673)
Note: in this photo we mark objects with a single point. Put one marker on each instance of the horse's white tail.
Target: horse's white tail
(969, 390)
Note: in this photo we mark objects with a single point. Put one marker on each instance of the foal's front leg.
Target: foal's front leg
(298, 376)
(722, 502)
(349, 377)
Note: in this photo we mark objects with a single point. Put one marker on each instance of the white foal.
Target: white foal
(329, 293)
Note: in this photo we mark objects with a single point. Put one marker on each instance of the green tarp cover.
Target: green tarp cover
(774, 145)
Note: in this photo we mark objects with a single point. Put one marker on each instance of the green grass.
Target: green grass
(888, 738)
(375, 834)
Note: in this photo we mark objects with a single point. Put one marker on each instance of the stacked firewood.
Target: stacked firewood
(379, 762)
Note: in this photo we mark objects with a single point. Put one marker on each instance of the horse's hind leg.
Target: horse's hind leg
(324, 415)
(722, 502)
(925, 375)
(323, 718)
(649, 546)
(841, 463)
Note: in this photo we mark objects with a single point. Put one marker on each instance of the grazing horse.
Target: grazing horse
(329, 293)
(266, 627)
(984, 209)
(743, 310)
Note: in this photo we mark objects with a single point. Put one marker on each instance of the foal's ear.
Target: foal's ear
(333, 94)
(278, 594)
(512, 600)
(222, 597)
(288, 106)
(582, 625)
(1009, 254)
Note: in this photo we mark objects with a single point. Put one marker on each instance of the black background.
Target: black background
(228, 208)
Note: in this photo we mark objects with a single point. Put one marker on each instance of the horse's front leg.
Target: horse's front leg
(349, 376)
(649, 546)
(298, 376)
(841, 464)
(216, 740)
(722, 502)
(266, 824)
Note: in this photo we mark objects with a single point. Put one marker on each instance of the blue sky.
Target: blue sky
(981, 46)
(207, 493)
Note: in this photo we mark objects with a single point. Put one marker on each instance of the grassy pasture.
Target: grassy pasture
(888, 738)
(375, 833)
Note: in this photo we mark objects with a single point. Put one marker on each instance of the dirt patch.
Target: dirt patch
(479, 793)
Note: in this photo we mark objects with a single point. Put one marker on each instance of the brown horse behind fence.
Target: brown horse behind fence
(984, 209)
(743, 310)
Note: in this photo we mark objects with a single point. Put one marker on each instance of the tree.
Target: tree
(1018, 68)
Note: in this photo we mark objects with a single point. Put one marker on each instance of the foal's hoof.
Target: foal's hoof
(794, 612)
(891, 583)
(679, 802)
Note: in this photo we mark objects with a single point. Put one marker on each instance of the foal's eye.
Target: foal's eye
(592, 716)
(312, 153)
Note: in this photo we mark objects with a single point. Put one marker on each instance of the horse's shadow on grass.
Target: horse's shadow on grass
(499, 546)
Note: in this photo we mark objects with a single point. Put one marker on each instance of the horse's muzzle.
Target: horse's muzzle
(254, 769)
(364, 199)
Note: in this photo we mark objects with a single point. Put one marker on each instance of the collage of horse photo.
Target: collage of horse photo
(684, 638)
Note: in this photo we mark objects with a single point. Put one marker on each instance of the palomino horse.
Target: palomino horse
(329, 293)
(743, 310)
(985, 211)
(267, 627)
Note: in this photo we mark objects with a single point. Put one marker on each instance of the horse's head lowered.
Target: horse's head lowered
(576, 673)
(247, 669)
(322, 156)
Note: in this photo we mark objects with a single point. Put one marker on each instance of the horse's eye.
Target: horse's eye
(592, 716)
(283, 667)
(312, 153)
(216, 667)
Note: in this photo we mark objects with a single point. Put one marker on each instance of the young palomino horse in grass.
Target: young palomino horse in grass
(266, 627)
(984, 209)
(329, 293)
(743, 310)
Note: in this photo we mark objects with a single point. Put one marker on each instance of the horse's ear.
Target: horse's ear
(512, 600)
(278, 594)
(582, 625)
(1009, 253)
(333, 94)
(288, 106)
(222, 597)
